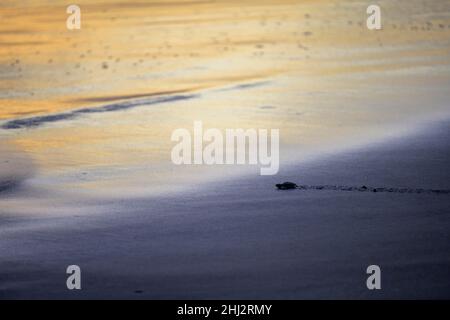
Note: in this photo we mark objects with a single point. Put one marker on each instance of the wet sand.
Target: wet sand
(309, 68)
(242, 238)
(86, 178)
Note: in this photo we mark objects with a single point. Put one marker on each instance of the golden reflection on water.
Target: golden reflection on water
(324, 76)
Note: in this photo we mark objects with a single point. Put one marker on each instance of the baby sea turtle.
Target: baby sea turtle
(286, 186)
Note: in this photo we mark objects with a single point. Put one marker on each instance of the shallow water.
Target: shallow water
(92, 110)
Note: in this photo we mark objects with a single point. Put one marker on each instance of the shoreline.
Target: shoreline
(241, 238)
(87, 175)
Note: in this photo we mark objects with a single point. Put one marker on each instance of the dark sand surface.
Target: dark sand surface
(245, 239)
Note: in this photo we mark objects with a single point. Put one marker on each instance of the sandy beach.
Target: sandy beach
(245, 239)
(87, 178)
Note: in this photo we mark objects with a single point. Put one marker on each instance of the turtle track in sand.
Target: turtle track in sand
(372, 189)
